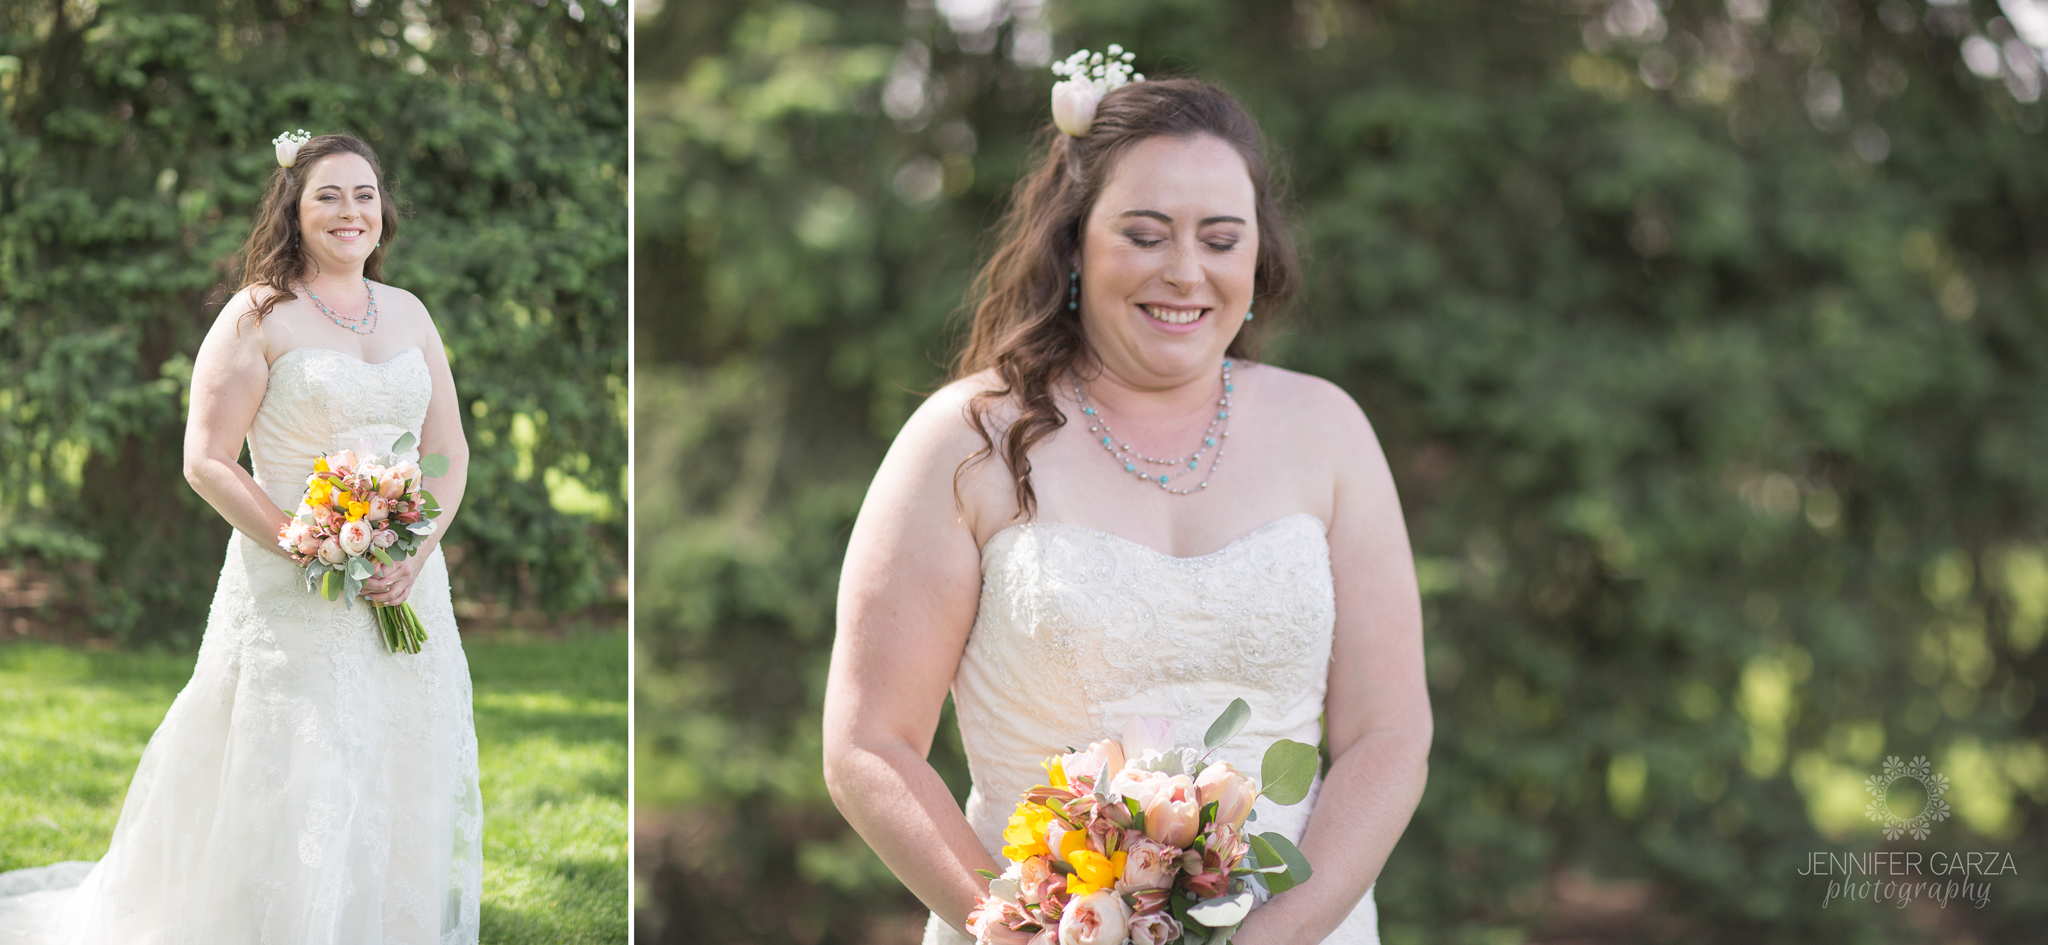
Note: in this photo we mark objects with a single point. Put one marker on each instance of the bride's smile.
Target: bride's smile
(1168, 259)
(340, 204)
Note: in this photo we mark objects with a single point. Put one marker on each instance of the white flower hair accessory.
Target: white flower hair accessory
(1089, 76)
(288, 145)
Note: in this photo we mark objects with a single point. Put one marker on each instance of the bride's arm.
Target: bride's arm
(907, 597)
(440, 433)
(1377, 709)
(228, 380)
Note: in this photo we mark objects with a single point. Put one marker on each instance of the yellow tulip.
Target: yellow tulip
(1093, 871)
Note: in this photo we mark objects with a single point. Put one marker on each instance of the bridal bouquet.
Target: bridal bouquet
(1142, 842)
(360, 508)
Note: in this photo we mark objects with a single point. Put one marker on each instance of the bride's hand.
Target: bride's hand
(392, 583)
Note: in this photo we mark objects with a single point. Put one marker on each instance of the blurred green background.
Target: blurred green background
(1706, 339)
(135, 146)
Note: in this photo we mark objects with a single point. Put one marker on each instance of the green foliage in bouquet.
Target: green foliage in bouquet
(135, 144)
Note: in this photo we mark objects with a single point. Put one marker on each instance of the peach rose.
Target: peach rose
(1148, 864)
(1099, 918)
(331, 553)
(379, 509)
(1173, 812)
(1112, 752)
(355, 537)
(1230, 790)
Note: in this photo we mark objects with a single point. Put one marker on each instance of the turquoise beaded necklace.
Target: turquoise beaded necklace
(369, 316)
(1214, 438)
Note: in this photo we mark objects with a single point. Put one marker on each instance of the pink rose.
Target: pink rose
(1099, 918)
(1148, 864)
(1173, 813)
(331, 553)
(1155, 929)
(355, 537)
(1082, 764)
(343, 459)
(379, 509)
(1230, 790)
(1138, 784)
(1144, 733)
(384, 538)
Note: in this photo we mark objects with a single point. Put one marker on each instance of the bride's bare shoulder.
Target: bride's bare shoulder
(945, 423)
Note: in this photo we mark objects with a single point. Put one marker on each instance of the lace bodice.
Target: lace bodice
(320, 400)
(1078, 630)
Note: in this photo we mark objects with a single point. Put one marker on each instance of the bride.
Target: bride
(1056, 538)
(308, 785)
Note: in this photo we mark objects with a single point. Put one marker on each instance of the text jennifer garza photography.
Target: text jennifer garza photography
(1898, 877)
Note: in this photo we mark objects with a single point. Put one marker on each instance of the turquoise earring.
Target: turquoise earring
(1074, 291)
(1247, 314)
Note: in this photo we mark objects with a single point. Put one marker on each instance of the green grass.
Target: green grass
(551, 734)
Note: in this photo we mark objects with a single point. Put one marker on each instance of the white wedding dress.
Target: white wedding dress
(308, 787)
(1079, 630)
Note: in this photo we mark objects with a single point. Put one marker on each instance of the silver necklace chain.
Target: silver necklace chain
(1213, 438)
(369, 316)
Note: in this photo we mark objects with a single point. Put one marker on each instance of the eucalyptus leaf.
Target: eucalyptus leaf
(433, 465)
(405, 442)
(1288, 770)
(331, 585)
(381, 555)
(1272, 849)
(1228, 724)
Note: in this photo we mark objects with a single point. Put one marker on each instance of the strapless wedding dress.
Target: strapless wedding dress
(308, 787)
(1079, 630)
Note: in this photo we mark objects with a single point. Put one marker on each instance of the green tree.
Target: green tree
(1705, 339)
(135, 148)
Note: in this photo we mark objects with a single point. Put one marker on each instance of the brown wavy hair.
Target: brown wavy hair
(271, 257)
(1021, 326)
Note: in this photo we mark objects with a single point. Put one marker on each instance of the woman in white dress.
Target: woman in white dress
(1054, 538)
(308, 786)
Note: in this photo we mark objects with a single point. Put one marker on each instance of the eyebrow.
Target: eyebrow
(339, 187)
(1163, 218)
